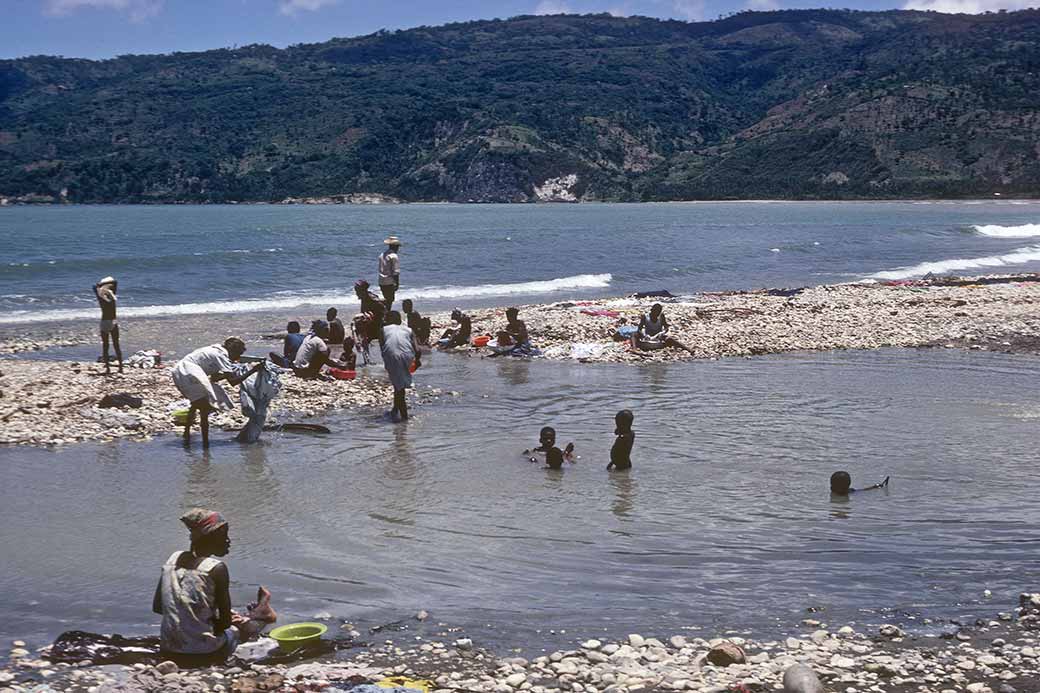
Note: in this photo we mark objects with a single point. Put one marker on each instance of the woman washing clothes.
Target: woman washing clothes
(400, 352)
(193, 597)
(514, 339)
(652, 333)
(196, 376)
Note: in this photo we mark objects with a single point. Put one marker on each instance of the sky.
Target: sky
(105, 28)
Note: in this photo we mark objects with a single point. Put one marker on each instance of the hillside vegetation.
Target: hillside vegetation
(788, 104)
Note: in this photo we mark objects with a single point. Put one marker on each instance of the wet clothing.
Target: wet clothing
(336, 331)
(189, 605)
(399, 351)
(389, 268)
(192, 374)
(309, 350)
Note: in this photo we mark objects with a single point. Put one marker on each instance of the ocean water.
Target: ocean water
(725, 522)
(190, 260)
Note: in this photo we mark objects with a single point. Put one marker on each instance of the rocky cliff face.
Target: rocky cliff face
(806, 103)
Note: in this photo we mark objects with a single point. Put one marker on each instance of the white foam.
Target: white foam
(994, 231)
(286, 300)
(1018, 257)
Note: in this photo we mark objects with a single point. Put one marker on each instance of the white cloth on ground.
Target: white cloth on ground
(389, 267)
(398, 349)
(192, 374)
(189, 604)
(312, 346)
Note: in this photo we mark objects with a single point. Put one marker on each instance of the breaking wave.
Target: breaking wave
(994, 231)
(1017, 257)
(286, 300)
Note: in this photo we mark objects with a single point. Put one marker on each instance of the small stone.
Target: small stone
(636, 640)
(1006, 688)
(166, 667)
(422, 615)
(966, 664)
(464, 644)
(677, 641)
(19, 652)
(726, 653)
(591, 644)
(978, 688)
(18, 643)
(842, 662)
(890, 631)
(515, 680)
(801, 679)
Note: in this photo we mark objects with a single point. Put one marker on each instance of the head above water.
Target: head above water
(235, 348)
(623, 421)
(547, 436)
(331, 314)
(406, 305)
(392, 318)
(208, 531)
(841, 482)
(293, 327)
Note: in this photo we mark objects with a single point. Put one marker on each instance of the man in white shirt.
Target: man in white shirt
(390, 270)
(314, 352)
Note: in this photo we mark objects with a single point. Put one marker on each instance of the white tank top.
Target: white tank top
(189, 603)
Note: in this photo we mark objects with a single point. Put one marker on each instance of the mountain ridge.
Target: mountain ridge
(793, 104)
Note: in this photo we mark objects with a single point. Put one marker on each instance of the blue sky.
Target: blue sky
(105, 28)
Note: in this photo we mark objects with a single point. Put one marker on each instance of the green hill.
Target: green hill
(789, 104)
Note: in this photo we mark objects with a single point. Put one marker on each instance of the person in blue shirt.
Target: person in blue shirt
(291, 345)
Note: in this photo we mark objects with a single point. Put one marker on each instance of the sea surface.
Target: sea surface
(184, 260)
(724, 523)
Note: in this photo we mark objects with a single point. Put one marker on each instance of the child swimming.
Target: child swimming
(546, 446)
(621, 452)
(841, 484)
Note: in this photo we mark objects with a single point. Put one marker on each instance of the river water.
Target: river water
(724, 522)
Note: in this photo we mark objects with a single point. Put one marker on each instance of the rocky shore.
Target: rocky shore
(996, 656)
(57, 402)
(992, 313)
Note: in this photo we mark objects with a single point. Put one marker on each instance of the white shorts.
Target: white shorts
(107, 326)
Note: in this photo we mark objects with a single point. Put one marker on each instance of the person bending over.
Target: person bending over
(652, 333)
(621, 452)
(105, 290)
(194, 599)
(196, 376)
(400, 354)
(290, 346)
(841, 484)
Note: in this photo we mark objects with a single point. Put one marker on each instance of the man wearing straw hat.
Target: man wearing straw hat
(390, 270)
(105, 290)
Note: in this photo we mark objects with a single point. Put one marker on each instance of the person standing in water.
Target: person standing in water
(196, 376)
(621, 452)
(194, 599)
(105, 290)
(400, 352)
(390, 270)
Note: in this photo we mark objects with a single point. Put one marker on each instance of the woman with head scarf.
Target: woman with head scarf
(196, 376)
(193, 596)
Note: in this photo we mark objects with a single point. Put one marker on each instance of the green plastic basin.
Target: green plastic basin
(294, 635)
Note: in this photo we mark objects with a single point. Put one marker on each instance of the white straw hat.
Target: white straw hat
(392, 240)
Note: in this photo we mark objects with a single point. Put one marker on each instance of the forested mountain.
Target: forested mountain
(787, 104)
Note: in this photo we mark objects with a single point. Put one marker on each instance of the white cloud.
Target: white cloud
(138, 10)
(969, 6)
(690, 10)
(552, 7)
(762, 5)
(291, 7)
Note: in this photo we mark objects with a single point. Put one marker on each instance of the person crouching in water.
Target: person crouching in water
(400, 352)
(841, 484)
(621, 452)
(194, 599)
(105, 290)
(196, 376)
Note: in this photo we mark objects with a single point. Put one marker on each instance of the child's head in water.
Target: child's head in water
(623, 421)
(841, 483)
(547, 437)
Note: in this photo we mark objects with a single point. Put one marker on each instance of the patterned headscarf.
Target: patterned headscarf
(202, 522)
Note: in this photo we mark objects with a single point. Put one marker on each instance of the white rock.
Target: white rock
(842, 662)
(515, 680)
(636, 640)
(592, 644)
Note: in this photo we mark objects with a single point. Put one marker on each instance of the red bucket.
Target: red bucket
(341, 374)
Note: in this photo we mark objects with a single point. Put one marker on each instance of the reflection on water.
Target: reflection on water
(725, 517)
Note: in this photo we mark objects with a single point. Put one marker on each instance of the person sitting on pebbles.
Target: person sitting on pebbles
(314, 351)
(514, 339)
(194, 599)
(652, 333)
(196, 376)
(841, 484)
(290, 346)
(459, 334)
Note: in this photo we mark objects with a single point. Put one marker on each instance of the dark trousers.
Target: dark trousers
(388, 294)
